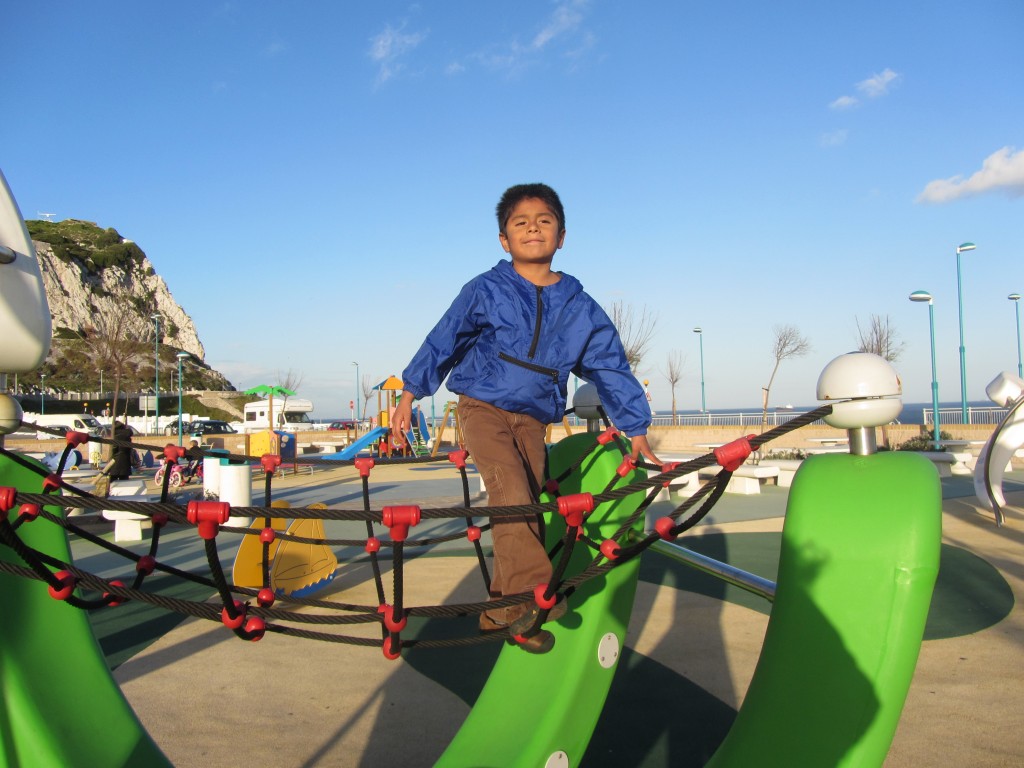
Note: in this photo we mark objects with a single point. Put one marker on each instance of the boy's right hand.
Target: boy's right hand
(401, 420)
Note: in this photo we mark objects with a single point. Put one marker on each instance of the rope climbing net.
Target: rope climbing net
(251, 612)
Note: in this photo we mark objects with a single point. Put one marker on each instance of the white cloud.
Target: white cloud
(844, 102)
(878, 85)
(389, 47)
(834, 138)
(1002, 171)
(565, 18)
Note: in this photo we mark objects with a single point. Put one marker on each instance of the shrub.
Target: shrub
(923, 442)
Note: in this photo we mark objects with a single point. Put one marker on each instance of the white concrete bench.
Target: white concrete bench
(951, 462)
(748, 479)
(128, 526)
(787, 470)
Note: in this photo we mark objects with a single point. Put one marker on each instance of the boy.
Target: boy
(509, 341)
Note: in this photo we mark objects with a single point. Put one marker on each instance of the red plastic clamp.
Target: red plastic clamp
(372, 545)
(364, 465)
(668, 466)
(256, 628)
(392, 654)
(159, 519)
(270, 462)
(267, 536)
(238, 620)
(51, 483)
(266, 597)
(628, 465)
(389, 618)
(574, 506)
(115, 601)
(208, 516)
(732, 455)
(28, 512)
(607, 436)
(458, 458)
(551, 486)
(172, 453)
(7, 495)
(610, 549)
(546, 603)
(398, 519)
(664, 526)
(473, 532)
(145, 565)
(75, 439)
(67, 582)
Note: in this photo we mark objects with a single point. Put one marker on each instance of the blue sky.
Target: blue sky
(315, 181)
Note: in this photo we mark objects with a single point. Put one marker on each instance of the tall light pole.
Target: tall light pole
(358, 417)
(960, 306)
(156, 368)
(922, 296)
(1015, 298)
(181, 357)
(42, 393)
(700, 335)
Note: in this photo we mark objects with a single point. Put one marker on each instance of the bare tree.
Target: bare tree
(290, 381)
(635, 332)
(788, 343)
(114, 345)
(367, 388)
(880, 338)
(674, 373)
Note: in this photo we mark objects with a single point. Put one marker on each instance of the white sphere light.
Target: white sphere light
(10, 414)
(585, 403)
(866, 389)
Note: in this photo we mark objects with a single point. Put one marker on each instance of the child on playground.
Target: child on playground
(507, 345)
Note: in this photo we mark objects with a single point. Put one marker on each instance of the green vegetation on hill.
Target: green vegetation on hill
(85, 242)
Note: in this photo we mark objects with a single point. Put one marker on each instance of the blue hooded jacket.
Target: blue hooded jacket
(513, 344)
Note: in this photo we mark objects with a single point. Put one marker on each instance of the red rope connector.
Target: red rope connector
(75, 439)
(542, 602)
(574, 506)
(267, 536)
(28, 512)
(458, 458)
(7, 495)
(51, 483)
(398, 519)
(256, 627)
(668, 466)
(473, 532)
(664, 526)
(628, 465)
(238, 620)
(159, 519)
(551, 486)
(67, 582)
(172, 453)
(389, 618)
(364, 465)
(208, 516)
(732, 455)
(372, 545)
(270, 462)
(607, 436)
(266, 597)
(392, 654)
(116, 601)
(610, 549)
(145, 565)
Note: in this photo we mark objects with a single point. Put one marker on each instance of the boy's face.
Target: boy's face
(533, 233)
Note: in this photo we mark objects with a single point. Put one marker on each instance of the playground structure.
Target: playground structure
(843, 636)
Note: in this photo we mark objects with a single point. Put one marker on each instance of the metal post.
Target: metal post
(156, 374)
(921, 296)
(42, 394)
(700, 335)
(1015, 298)
(181, 356)
(359, 418)
(963, 352)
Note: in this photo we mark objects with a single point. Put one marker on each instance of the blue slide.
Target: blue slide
(351, 451)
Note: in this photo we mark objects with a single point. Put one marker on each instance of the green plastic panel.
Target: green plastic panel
(540, 708)
(61, 707)
(860, 555)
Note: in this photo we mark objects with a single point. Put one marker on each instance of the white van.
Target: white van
(77, 422)
(290, 415)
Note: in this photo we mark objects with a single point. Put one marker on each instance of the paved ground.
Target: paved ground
(211, 700)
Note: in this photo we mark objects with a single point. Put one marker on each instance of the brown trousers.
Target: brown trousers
(509, 453)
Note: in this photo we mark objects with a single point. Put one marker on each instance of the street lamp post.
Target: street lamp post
(1015, 298)
(960, 307)
(700, 335)
(42, 393)
(359, 418)
(181, 357)
(156, 370)
(922, 296)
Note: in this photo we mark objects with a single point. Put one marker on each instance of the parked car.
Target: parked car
(343, 424)
(201, 427)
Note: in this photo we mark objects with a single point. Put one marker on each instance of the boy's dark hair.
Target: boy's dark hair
(513, 195)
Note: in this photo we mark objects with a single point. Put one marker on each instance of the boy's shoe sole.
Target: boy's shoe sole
(542, 642)
(525, 622)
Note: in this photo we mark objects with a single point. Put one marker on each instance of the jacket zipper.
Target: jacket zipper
(550, 372)
(536, 327)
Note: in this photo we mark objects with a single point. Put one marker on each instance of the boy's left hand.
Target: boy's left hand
(641, 446)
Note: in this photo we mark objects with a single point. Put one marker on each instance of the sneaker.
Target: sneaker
(531, 613)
